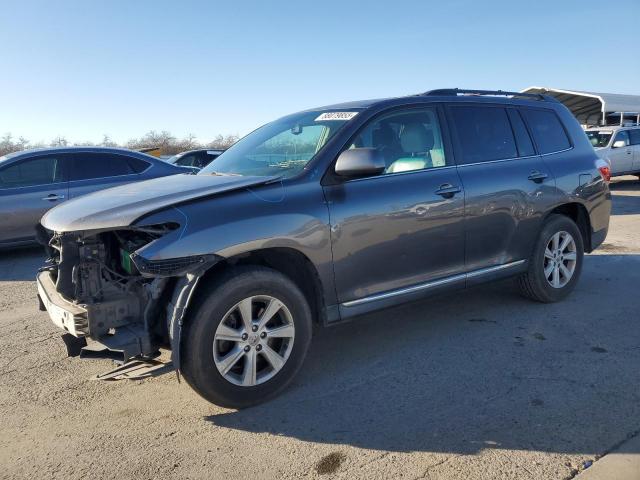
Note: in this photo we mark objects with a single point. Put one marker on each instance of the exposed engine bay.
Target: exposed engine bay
(129, 306)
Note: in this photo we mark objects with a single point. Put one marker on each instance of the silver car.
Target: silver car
(32, 182)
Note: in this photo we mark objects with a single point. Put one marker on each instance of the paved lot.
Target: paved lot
(480, 384)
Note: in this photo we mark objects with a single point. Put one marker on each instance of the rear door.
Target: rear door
(28, 188)
(91, 171)
(634, 140)
(505, 182)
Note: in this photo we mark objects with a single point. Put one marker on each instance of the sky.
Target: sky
(81, 69)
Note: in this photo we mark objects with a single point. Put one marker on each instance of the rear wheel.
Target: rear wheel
(246, 338)
(556, 262)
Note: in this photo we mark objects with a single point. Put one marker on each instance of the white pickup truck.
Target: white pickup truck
(618, 145)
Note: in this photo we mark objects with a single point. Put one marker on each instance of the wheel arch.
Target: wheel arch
(290, 262)
(579, 214)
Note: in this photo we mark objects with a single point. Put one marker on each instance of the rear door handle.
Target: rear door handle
(447, 190)
(52, 197)
(537, 176)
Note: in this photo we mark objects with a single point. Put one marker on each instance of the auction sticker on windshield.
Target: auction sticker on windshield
(336, 116)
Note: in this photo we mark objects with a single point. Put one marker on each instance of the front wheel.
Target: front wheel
(556, 262)
(246, 338)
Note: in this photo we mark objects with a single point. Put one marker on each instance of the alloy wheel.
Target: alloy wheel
(254, 340)
(560, 257)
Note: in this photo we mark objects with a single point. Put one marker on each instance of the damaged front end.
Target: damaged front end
(98, 285)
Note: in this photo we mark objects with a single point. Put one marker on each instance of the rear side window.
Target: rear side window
(547, 131)
(86, 166)
(484, 133)
(523, 140)
(634, 136)
(43, 170)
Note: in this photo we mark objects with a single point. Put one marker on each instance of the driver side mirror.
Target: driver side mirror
(360, 162)
(619, 144)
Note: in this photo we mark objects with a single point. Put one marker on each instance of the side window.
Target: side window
(547, 130)
(408, 140)
(621, 136)
(187, 160)
(634, 136)
(137, 165)
(484, 133)
(86, 166)
(523, 140)
(43, 170)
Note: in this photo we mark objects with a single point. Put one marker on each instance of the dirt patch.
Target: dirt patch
(330, 463)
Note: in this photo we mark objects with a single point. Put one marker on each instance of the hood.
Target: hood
(121, 206)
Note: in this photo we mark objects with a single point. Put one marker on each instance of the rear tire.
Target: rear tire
(554, 268)
(217, 331)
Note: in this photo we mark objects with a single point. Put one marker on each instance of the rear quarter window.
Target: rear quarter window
(137, 165)
(547, 130)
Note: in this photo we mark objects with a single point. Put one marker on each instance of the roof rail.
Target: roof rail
(495, 93)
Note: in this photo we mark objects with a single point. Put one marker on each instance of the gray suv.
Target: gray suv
(319, 217)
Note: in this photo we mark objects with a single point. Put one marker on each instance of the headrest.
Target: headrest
(416, 138)
(384, 136)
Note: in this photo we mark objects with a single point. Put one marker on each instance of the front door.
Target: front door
(621, 153)
(634, 138)
(507, 186)
(404, 227)
(28, 188)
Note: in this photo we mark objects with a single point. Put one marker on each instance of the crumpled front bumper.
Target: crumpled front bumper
(66, 315)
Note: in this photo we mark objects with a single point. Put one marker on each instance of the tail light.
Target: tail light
(604, 169)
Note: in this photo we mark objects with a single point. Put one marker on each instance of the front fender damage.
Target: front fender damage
(126, 305)
(176, 311)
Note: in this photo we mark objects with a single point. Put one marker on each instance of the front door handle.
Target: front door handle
(536, 176)
(447, 190)
(52, 197)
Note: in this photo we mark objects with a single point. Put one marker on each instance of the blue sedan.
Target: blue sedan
(32, 182)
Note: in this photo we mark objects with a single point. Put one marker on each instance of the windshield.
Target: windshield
(599, 139)
(175, 158)
(281, 148)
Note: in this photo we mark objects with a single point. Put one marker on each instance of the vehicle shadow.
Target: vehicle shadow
(623, 203)
(20, 264)
(627, 183)
(479, 369)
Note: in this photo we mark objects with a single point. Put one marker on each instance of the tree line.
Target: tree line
(167, 143)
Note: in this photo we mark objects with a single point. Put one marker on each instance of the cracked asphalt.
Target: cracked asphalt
(480, 384)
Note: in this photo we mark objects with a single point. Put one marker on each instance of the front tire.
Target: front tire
(246, 337)
(556, 262)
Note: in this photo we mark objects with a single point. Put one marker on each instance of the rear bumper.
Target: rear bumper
(597, 238)
(64, 314)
